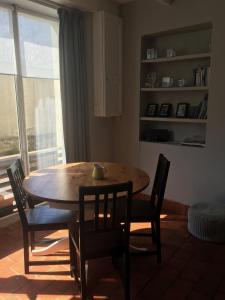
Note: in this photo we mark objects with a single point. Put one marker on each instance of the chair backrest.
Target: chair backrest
(16, 177)
(102, 202)
(159, 185)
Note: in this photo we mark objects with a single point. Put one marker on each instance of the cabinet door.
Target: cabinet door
(107, 64)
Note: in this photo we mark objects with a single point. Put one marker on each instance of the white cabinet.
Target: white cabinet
(107, 65)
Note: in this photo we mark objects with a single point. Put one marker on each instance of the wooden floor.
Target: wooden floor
(191, 269)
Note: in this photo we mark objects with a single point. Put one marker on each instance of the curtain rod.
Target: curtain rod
(54, 5)
(47, 3)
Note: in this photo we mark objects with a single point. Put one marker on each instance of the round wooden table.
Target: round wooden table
(59, 185)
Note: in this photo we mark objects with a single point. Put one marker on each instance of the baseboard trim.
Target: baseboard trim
(175, 207)
(8, 220)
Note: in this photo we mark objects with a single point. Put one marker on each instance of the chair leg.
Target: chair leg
(72, 262)
(158, 241)
(26, 251)
(73, 259)
(32, 240)
(127, 275)
(114, 261)
(83, 279)
(153, 232)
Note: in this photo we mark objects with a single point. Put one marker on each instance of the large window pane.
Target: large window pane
(7, 54)
(39, 60)
(9, 143)
(43, 121)
(40, 68)
(39, 47)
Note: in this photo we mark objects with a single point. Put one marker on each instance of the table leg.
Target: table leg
(137, 249)
(58, 245)
(141, 251)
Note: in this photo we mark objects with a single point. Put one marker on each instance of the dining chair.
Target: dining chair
(35, 218)
(101, 235)
(146, 208)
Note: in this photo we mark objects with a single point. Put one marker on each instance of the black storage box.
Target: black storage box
(157, 135)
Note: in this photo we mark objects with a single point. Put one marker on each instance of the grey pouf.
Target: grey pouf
(206, 221)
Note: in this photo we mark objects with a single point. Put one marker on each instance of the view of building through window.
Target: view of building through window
(9, 143)
(38, 39)
(40, 102)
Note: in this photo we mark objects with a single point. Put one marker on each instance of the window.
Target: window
(7, 51)
(9, 143)
(30, 115)
(38, 39)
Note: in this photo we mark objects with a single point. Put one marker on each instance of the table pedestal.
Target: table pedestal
(60, 244)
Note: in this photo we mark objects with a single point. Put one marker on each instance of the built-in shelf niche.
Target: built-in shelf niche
(193, 50)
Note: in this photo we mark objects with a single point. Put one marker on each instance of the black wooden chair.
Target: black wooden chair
(102, 235)
(36, 218)
(146, 208)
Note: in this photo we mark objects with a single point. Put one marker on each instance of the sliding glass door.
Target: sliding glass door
(38, 39)
(30, 114)
(9, 136)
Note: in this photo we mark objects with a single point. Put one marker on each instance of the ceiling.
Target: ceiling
(167, 2)
(122, 1)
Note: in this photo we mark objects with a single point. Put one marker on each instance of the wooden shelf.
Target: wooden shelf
(177, 58)
(171, 143)
(176, 89)
(174, 120)
(193, 64)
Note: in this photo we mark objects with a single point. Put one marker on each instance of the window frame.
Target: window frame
(19, 87)
(19, 95)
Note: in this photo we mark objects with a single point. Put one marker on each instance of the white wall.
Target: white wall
(91, 5)
(195, 174)
(100, 129)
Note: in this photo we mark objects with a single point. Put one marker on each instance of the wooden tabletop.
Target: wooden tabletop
(60, 184)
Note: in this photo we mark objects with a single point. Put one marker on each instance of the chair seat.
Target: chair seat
(141, 196)
(142, 210)
(99, 244)
(46, 216)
